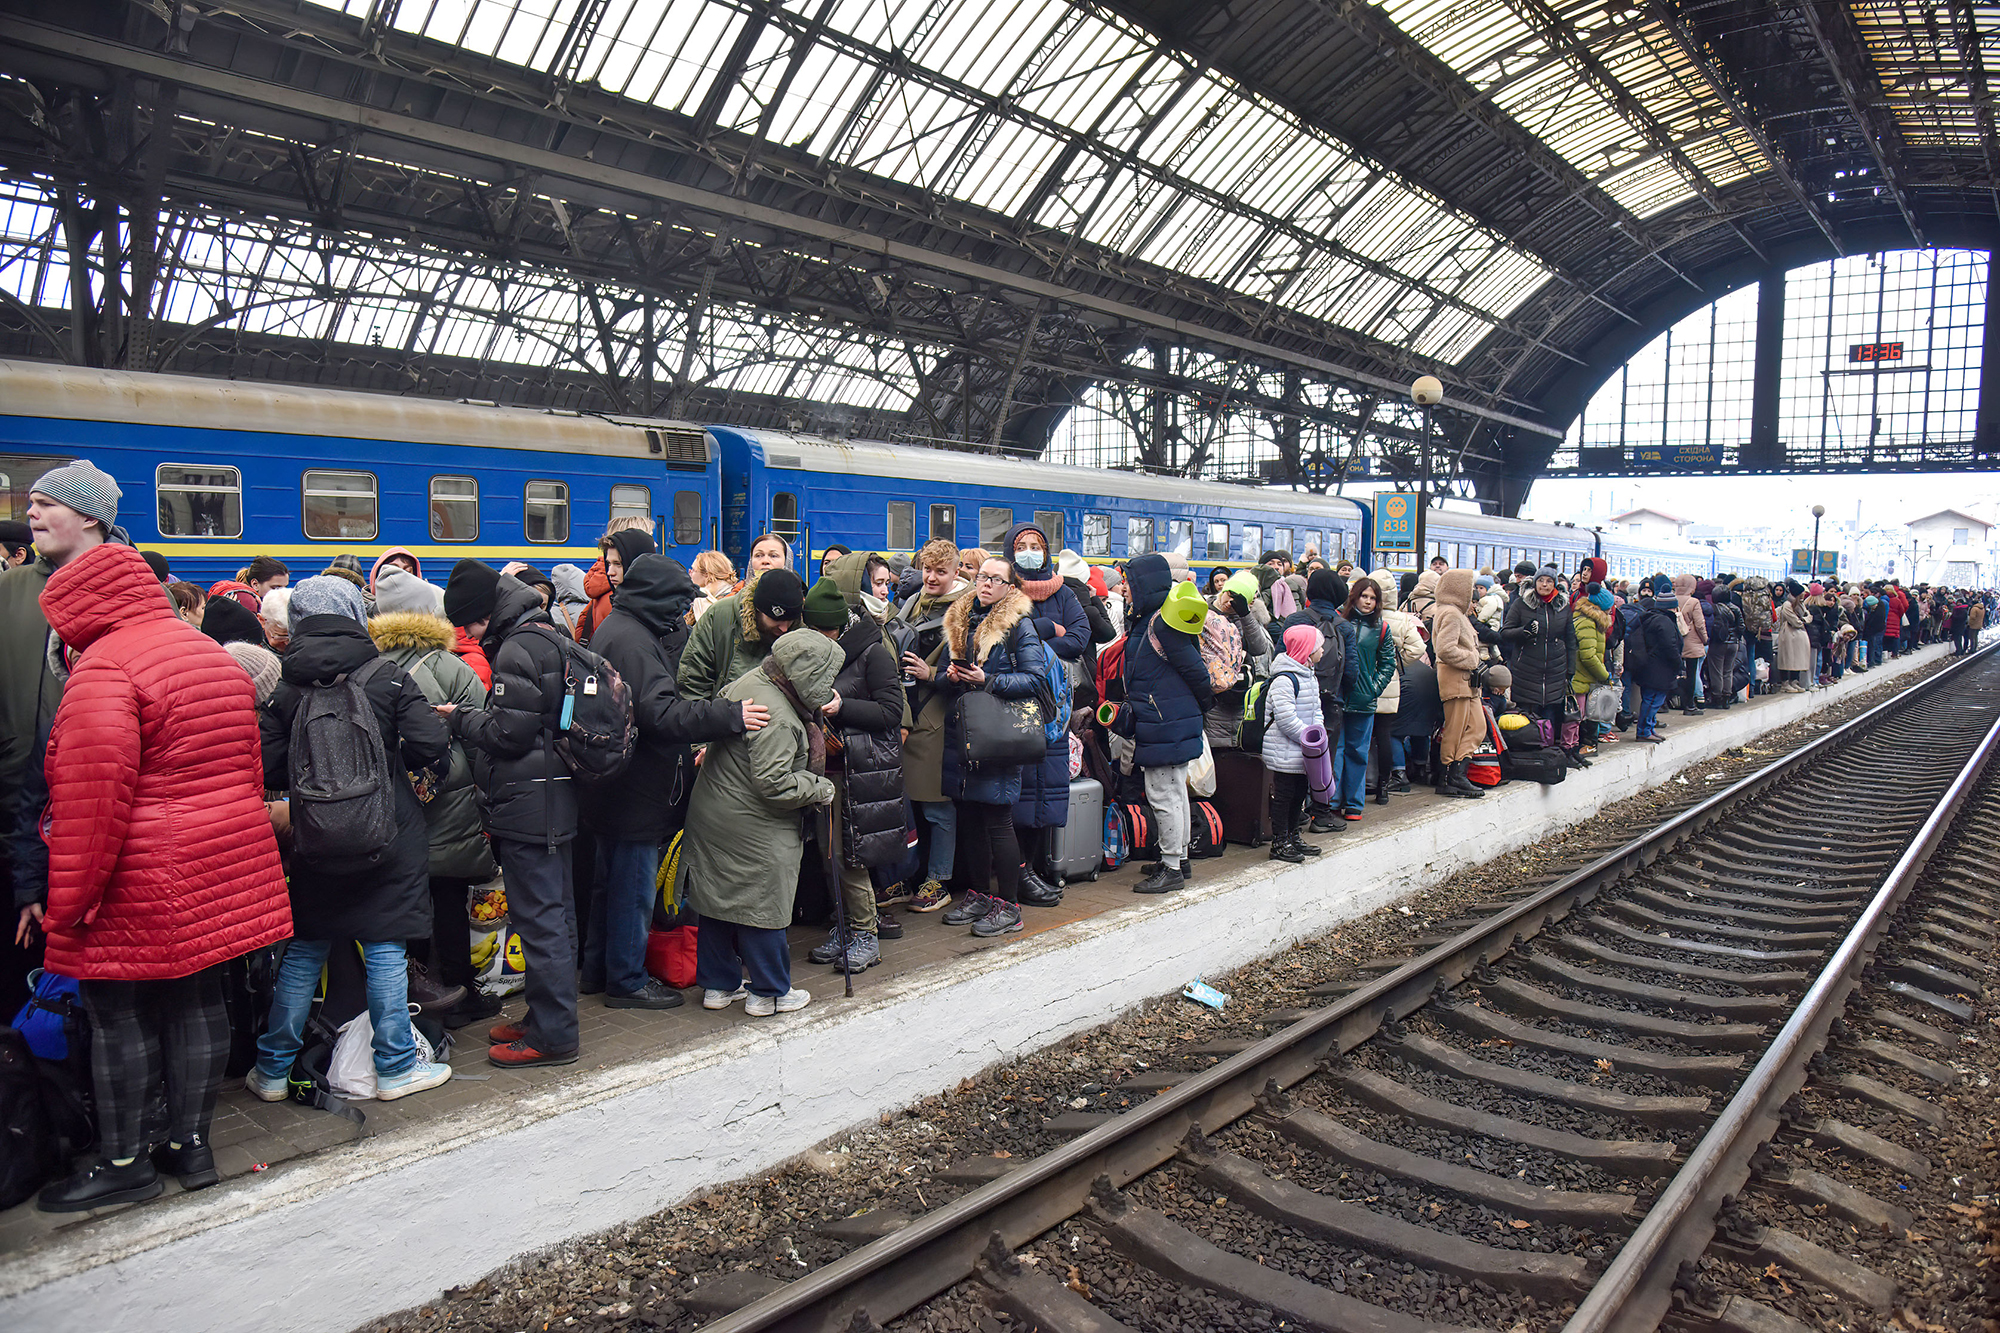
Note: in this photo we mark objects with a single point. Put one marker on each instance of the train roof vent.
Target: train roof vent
(785, 460)
(680, 447)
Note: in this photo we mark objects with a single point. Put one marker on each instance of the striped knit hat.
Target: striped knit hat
(84, 487)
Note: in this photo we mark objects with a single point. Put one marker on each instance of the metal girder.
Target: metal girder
(1832, 27)
(1691, 46)
(1965, 29)
(503, 157)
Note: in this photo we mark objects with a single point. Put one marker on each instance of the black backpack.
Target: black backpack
(343, 792)
(31, 1153)
(594, 733)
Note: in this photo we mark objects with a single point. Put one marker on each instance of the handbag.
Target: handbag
(997, 731)
(1601, 705)
(1201, 772)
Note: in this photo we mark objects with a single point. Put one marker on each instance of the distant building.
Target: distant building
(1950, 547)
(1650, 525)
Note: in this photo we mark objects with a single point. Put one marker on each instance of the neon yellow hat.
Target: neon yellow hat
(1184, 609)
(1244, 584)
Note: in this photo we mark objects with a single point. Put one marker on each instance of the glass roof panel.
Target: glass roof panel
(667, 55)
(1920, 55)
(1082, 75)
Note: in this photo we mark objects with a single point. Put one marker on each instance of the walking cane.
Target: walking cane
(840, 931)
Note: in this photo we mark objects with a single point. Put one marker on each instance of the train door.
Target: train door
(789, 526)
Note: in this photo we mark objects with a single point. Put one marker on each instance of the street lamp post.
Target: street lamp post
(1426, 392)
(1819, 512)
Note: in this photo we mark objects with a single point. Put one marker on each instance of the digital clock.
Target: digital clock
(1874, 353)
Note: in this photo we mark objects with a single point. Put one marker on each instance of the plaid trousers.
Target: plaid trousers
(144, 1031)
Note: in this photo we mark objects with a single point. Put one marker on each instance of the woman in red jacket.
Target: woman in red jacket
(162, 865)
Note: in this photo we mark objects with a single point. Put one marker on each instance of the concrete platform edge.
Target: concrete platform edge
(359, 1231)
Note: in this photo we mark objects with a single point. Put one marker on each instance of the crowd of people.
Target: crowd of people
(334, 765)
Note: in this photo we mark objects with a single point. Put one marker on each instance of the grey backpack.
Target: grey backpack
(343, 791)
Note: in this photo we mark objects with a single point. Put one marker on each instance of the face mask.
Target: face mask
(1031, 561)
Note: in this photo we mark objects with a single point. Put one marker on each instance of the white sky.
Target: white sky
(1777, 502)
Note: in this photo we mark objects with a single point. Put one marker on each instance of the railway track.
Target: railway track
(1580, 1111)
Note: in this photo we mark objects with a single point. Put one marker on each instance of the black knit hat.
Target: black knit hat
(227, 620)
(1323, 585)
(781, 595)
(1525, 569)
(471, 593)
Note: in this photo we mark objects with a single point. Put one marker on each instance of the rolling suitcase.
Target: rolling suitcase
(1243, 797)
(1076, 850)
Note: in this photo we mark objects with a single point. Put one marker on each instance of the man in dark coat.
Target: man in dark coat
(1167, 688)
(1653, 655)
(635, 812)
(871, 716)
(1542, 630)
(382, 900)
(531, 799)
(1339, 664)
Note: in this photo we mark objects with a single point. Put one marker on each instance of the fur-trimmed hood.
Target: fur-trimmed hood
(399, 630)
(1000, 620)
(1588, 609)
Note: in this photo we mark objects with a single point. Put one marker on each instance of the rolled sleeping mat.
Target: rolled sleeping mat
(1319, 764)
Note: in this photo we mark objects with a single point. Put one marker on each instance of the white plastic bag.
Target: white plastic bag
(1201, 772)
(352, 1071)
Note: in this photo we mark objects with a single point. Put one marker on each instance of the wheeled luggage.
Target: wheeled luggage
(1243, 797)
(1076, 850)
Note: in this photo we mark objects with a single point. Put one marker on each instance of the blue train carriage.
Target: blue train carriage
(215, 472)
(817, 493)
(1483, 541)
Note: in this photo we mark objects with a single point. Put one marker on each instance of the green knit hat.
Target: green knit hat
(826, 605)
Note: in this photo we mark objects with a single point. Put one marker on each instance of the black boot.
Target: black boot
(1462, 783)
(1284, 850)
(1167, 880)
(1305, 848)
(1575, 759)
(1038, 892)
(96, 1183)
(193, 1162)
(1399, 782)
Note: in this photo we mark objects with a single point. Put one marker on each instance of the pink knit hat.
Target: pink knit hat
(1301, 642)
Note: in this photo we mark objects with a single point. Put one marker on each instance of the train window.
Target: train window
(901, 531)
(546, 511)
(1050, 521)
(631, 500)
(339, 506)
(1138, 536)
(18, 474)
(1281, 540)
(944, 523)
(198, 501)
(1253, 541)
(454, 509)
(1218, 541)
(1309, 543)
(993, 525)
(1097, 534)
(687, 518)
(785, 515)
(1180, 536)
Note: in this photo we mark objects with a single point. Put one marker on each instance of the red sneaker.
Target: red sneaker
(520, 1055)
(502, 1033)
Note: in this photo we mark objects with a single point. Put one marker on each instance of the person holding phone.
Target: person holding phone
(920, 620)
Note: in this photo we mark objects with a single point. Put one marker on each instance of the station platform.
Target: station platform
(316, 1228)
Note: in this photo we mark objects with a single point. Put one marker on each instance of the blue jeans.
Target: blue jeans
(388, 1006)
(621, 914)
(724, 951)
(1357, 731)
(1874, 650)
(1650, 703)
(943, 817)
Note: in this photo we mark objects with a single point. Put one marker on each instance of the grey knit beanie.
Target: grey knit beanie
(322, 595)
(399, 590)
(84, 487)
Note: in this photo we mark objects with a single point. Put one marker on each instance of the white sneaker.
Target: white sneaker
(419, 1077)
(763, 1006)
(717, 999)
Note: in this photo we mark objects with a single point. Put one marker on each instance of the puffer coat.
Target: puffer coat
(1543, 634)
(1044, 801)
(1006, 647)
(642, 638)
(922, 617)
(740, 855)
(391, 900)
(1658, 663)
(530, 796)
(870, 722)
(1166, 682)
(161, 858)
(421, 645)
(1593, 628)
(1291, 704)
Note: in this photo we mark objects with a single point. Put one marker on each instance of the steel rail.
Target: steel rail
(896, 1273)
(1633, 1292)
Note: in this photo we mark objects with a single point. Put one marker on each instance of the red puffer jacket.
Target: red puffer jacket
(161, 857)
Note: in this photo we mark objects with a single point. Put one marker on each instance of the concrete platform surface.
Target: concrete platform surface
(449, 1184)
